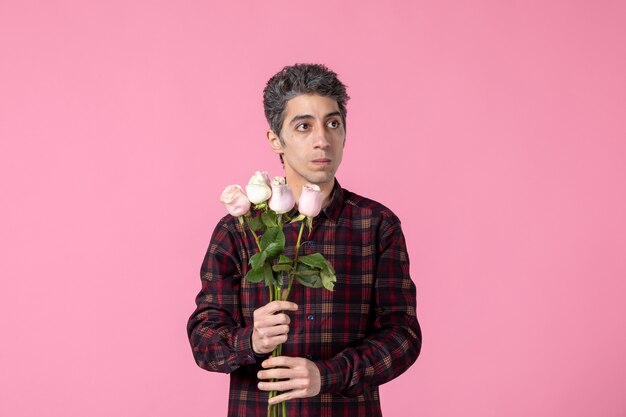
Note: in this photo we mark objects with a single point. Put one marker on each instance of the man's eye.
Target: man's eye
(333, 124)
(302, 127)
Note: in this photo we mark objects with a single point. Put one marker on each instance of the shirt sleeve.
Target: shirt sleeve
(219, 339)
(395, 340)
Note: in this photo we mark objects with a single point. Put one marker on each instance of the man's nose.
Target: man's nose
(322, 139)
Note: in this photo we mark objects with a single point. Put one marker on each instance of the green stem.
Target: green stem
(295, 263)
(256, 238)
(272, 410)
(258, 245)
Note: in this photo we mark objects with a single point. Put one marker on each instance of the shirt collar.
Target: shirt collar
(333, 209)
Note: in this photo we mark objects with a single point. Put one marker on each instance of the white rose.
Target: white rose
(258, 188)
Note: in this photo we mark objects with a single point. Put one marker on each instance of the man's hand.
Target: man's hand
(270, 329)
(299, 377)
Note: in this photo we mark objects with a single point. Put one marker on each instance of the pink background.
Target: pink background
(496, 130)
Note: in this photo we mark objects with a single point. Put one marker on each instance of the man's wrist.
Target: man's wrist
(256, 354)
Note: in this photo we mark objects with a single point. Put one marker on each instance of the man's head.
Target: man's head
(296, 80)
(305, 107)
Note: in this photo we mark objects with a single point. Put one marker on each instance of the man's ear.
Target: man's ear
(275, 142)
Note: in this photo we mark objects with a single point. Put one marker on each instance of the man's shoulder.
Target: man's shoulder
(227, 227)
(368, 207)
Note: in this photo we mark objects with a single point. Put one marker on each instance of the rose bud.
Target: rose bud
(235, 200)
(310, 203)
(258, 188)
(282, 199)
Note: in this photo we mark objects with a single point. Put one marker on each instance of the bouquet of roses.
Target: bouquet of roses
(264, 209)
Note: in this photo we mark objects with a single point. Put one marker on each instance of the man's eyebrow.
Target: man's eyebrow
(300, 117)
(308, 117)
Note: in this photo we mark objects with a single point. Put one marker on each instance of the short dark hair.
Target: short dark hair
(299, 79)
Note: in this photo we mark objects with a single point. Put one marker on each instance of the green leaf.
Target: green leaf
(282, 267)
(255, 275)
(328, 279)
(257, 260)
(268, 274)
(308, 273)
(311, 281)
(269, 219)
(329, 267)
(273, 250)
(309, 277)
(315, 260)
(278, 277)
(256, 224)
(298, 218)
(273, 235)
(284, 260)
(302, 268)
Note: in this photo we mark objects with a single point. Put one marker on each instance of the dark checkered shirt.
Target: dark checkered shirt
(360, 336)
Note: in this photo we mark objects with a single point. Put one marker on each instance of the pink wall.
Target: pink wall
(495, 129)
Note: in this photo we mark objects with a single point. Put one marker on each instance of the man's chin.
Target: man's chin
(321, 178)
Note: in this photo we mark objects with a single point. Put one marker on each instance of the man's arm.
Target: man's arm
(219, 338)
(395, 340)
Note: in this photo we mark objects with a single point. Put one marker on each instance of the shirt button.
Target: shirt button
(310, 317)
(309, 357)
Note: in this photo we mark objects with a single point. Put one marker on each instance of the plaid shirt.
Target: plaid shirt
(361, 335)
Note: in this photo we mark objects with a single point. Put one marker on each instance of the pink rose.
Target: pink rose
(310, 203)
(258, 188)
(235, 200)
(282, 199)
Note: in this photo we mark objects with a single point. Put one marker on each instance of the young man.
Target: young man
(338, 346)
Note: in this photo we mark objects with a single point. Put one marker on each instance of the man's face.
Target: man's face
(314, 134)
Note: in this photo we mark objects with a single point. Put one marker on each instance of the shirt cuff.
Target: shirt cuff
(332, 378)
(244, 355)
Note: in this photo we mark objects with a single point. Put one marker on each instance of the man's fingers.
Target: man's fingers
(274, 306)
(290, 395)
(290, 385)
(282, 361)
(295, 377)
(273, 330)
(282, 373)
(269, 343)
(271, 320)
